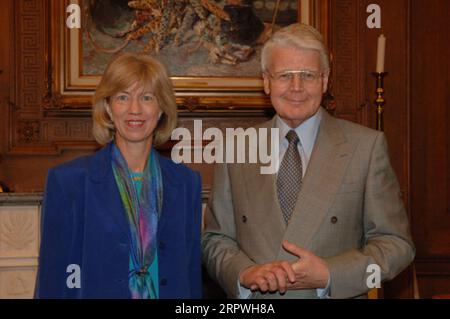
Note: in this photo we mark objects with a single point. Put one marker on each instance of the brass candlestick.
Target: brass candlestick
(379, 102)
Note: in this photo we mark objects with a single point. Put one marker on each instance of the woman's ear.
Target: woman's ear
(108, 110)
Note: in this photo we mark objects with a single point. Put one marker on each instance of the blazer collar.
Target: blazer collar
(264, 184)
(100, 172)
(100, 168)
(171, 187)
(101, 164)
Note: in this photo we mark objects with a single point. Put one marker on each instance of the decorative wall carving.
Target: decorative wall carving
(222, 122)
(28, 131)
(18, 231)
(345, 59)
(17, 283)
(31, 45)
(19, 250)
(67, 130)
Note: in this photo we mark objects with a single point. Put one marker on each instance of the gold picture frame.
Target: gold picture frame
(69, 88)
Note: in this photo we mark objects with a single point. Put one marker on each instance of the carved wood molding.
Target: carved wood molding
(19, 250)
(29, 54)
(31, 130)
(344, 55)
(346, 84)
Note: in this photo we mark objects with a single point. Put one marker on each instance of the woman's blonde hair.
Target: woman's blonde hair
(123, 72)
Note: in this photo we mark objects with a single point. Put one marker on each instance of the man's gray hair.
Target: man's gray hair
(297, 36)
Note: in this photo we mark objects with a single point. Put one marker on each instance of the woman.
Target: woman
(124, 222)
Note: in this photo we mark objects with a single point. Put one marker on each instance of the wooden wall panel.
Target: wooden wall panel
(433, 276)
(354, 48)
(430, 139)
(395, 26)
(5, 67)
(345, 61)
(32, 140)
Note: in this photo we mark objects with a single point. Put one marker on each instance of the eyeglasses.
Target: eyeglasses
(286, 77)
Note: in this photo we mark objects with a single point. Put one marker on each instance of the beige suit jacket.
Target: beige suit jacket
(349, 212)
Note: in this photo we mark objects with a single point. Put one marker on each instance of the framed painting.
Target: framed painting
(210, 47)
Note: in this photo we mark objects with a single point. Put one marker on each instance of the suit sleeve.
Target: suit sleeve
(387, 240)
(221, 254)
(56, 234)
(195, 254)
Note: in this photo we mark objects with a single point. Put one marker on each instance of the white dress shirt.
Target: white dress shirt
(306, 132)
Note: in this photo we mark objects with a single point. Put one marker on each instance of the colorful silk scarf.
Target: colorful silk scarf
(142, 212)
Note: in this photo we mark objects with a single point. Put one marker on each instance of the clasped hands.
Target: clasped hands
(307, 272)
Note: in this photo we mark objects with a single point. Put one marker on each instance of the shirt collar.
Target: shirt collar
(307, 131)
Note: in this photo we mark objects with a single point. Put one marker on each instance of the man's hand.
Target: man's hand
(310, 270)
(274, 276)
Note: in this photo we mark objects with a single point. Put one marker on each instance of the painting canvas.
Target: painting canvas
(210, 47)
(193, 38)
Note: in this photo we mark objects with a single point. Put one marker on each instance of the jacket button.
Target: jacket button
(162, 245)
(244, 219)
(334, 220)
(163, 282)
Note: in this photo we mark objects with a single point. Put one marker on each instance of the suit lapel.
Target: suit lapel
(106, 194)
(171, 188)
(324, 175)
(262, 192)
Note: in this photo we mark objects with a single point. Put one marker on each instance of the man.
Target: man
(333, 208)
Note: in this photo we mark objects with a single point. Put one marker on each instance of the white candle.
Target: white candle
(380, 53)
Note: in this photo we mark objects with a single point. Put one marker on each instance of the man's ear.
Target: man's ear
(266, 82)
(326, 76)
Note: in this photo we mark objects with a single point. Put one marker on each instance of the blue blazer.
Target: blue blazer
(84, 223)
